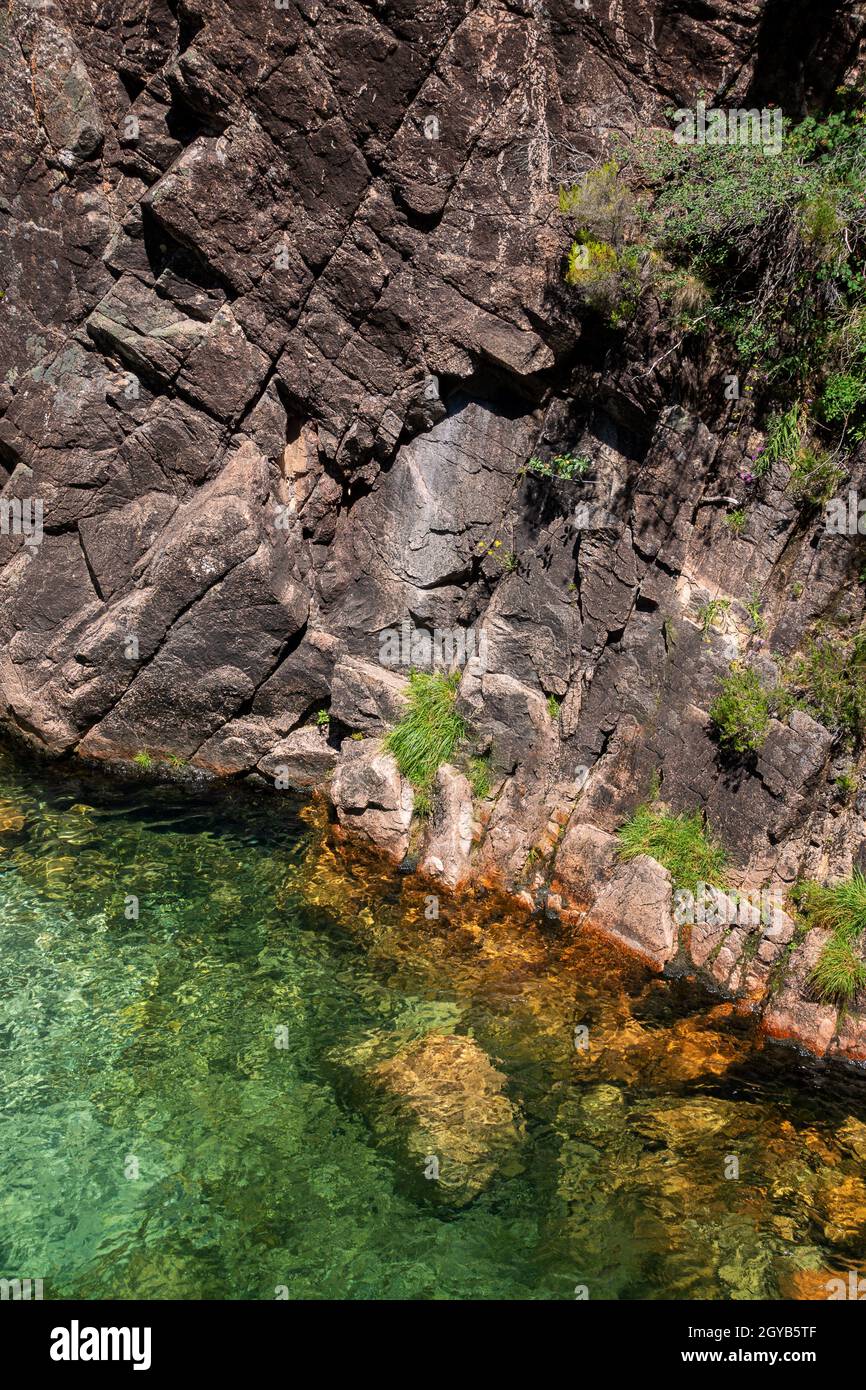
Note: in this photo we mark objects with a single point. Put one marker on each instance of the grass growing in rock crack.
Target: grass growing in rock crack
(479, 777)
(429, 731)
(681, 843)
(841, 908)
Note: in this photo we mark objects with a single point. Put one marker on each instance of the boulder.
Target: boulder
(792, 1013)
(302, 762)
(371, 798)
(366, 696)
(635, 908)
(446, 1111)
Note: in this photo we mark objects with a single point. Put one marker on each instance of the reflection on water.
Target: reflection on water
(241, 1090)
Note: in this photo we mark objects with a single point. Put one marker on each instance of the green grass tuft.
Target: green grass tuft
(681, 843)
(430, 730)
(143, 760)
(841, 909)
(479, 777)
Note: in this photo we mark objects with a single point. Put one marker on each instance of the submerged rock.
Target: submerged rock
(443, 1105)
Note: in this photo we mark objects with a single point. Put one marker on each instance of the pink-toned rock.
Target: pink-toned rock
(371, 799)
(301, 762)
(585, 861)
(449, 835)
(635, 908)
(791, 1015)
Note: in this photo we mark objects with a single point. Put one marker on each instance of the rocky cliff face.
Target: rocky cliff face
(283, 320)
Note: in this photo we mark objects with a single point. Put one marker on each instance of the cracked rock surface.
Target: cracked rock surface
(282, 322)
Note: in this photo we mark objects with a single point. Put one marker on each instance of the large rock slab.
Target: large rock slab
(371, 799)
(635, 908)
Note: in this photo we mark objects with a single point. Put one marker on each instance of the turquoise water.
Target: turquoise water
(157, 1142)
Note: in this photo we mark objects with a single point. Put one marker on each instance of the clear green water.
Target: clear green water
(149, 1046)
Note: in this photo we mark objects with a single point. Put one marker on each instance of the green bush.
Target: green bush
(569, 466)
(829, 682)
(680, 843)
(768, 248)
(815, 478)
(429, 731)
(741, 712)
(608, 278)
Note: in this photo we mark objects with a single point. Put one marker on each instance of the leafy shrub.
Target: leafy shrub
(608, 278)
(680, 843)
(829, 682)
(842, 401)
(601, 203)
(768, 247)
(553, 707)
(429, 731)
(568, 466)
(815, 478)
(741, 712)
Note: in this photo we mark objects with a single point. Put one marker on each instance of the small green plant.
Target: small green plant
(430, 730)
(143, 760)
(840, 908)
(709, 613)
(323, 720)
(741, 712)
(568, 466)
(506, 559)
(479, 777)
(175, 761)
(757, 621)
(553, 707)
(423, 803)
(681, 843)
(784, 437)
(829, 682)
(846, 785)
(815, 478)
(736, 520)
(840, 972)
(357, 736)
